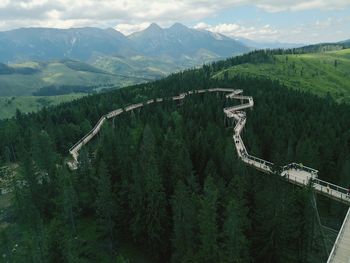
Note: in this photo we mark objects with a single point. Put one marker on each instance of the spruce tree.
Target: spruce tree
(105, 206)
(207, 221)
(184, 224)
(235, 244)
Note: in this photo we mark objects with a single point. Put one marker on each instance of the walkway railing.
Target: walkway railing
(339, 238)
(296, 179)
(301, 167)
(331, 189)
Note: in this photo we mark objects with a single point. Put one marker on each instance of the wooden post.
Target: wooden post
(113, 122)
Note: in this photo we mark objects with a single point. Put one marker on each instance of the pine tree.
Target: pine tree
(148, 200)
(68, 200)
(155, 195)
(105, 206)
(86, 182)
(42, 151)
(235, 244)
(137, 198)
(207, 221)
(276, 234)
(184, 224)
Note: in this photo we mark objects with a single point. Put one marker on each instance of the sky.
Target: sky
(290, 21)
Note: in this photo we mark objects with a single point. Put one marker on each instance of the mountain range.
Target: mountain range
(87, 44)
(48, 43)
(92, 57)
(32, 59)
(179, 40)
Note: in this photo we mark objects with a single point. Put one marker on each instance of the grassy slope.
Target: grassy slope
(314, 72)
(104, 72)
(56, 73)
(137, 66)
(53, 73)
(8, 105)
(150, 67)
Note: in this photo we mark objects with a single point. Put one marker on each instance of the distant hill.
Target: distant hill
(24, 79)
(9, 105)
(33, 77)
(264, 44)
(346, 43)
(321, 73)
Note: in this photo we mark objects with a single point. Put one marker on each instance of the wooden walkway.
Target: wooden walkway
(341, 249)
(294, 173)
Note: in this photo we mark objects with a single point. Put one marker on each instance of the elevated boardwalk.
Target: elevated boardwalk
(294, 173)
(341, 249)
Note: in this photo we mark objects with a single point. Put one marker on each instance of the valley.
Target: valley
(28, 104)
(92, 59)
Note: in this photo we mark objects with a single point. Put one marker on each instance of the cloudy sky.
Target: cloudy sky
(294, 21)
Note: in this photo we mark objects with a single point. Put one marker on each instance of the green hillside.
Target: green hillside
(57, 73)
(27, 78)
(71, 77)
(9, 105)
(139, 67)
(319, 73)
(46, 80)
(167, 179)
(145, 67)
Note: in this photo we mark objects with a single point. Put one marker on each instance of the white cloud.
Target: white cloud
(328, 30)
(128, 16)
(299, 5)
(234, 30)
(127, 29)
(113, 12)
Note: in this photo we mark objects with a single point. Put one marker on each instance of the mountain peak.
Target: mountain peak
(178, 26)
(154, 27)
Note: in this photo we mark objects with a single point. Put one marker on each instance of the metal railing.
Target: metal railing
(296, 179)
(332, 189)
(313, 172)
(102, 119)
(340, 235)
(75, 148)
(259, 160)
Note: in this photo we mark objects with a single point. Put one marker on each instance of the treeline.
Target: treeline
(317, 48)
(81, 66)
(6, 70)
(257, 56)
(267, 56)
(63, 89)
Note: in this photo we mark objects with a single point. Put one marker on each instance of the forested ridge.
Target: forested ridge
(166, 179)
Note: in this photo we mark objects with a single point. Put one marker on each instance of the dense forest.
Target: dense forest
(166, 179)
(267, 56)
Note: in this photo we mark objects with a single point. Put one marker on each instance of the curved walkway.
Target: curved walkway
(294, 173)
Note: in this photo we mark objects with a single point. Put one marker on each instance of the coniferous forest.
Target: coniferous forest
(166, 179)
